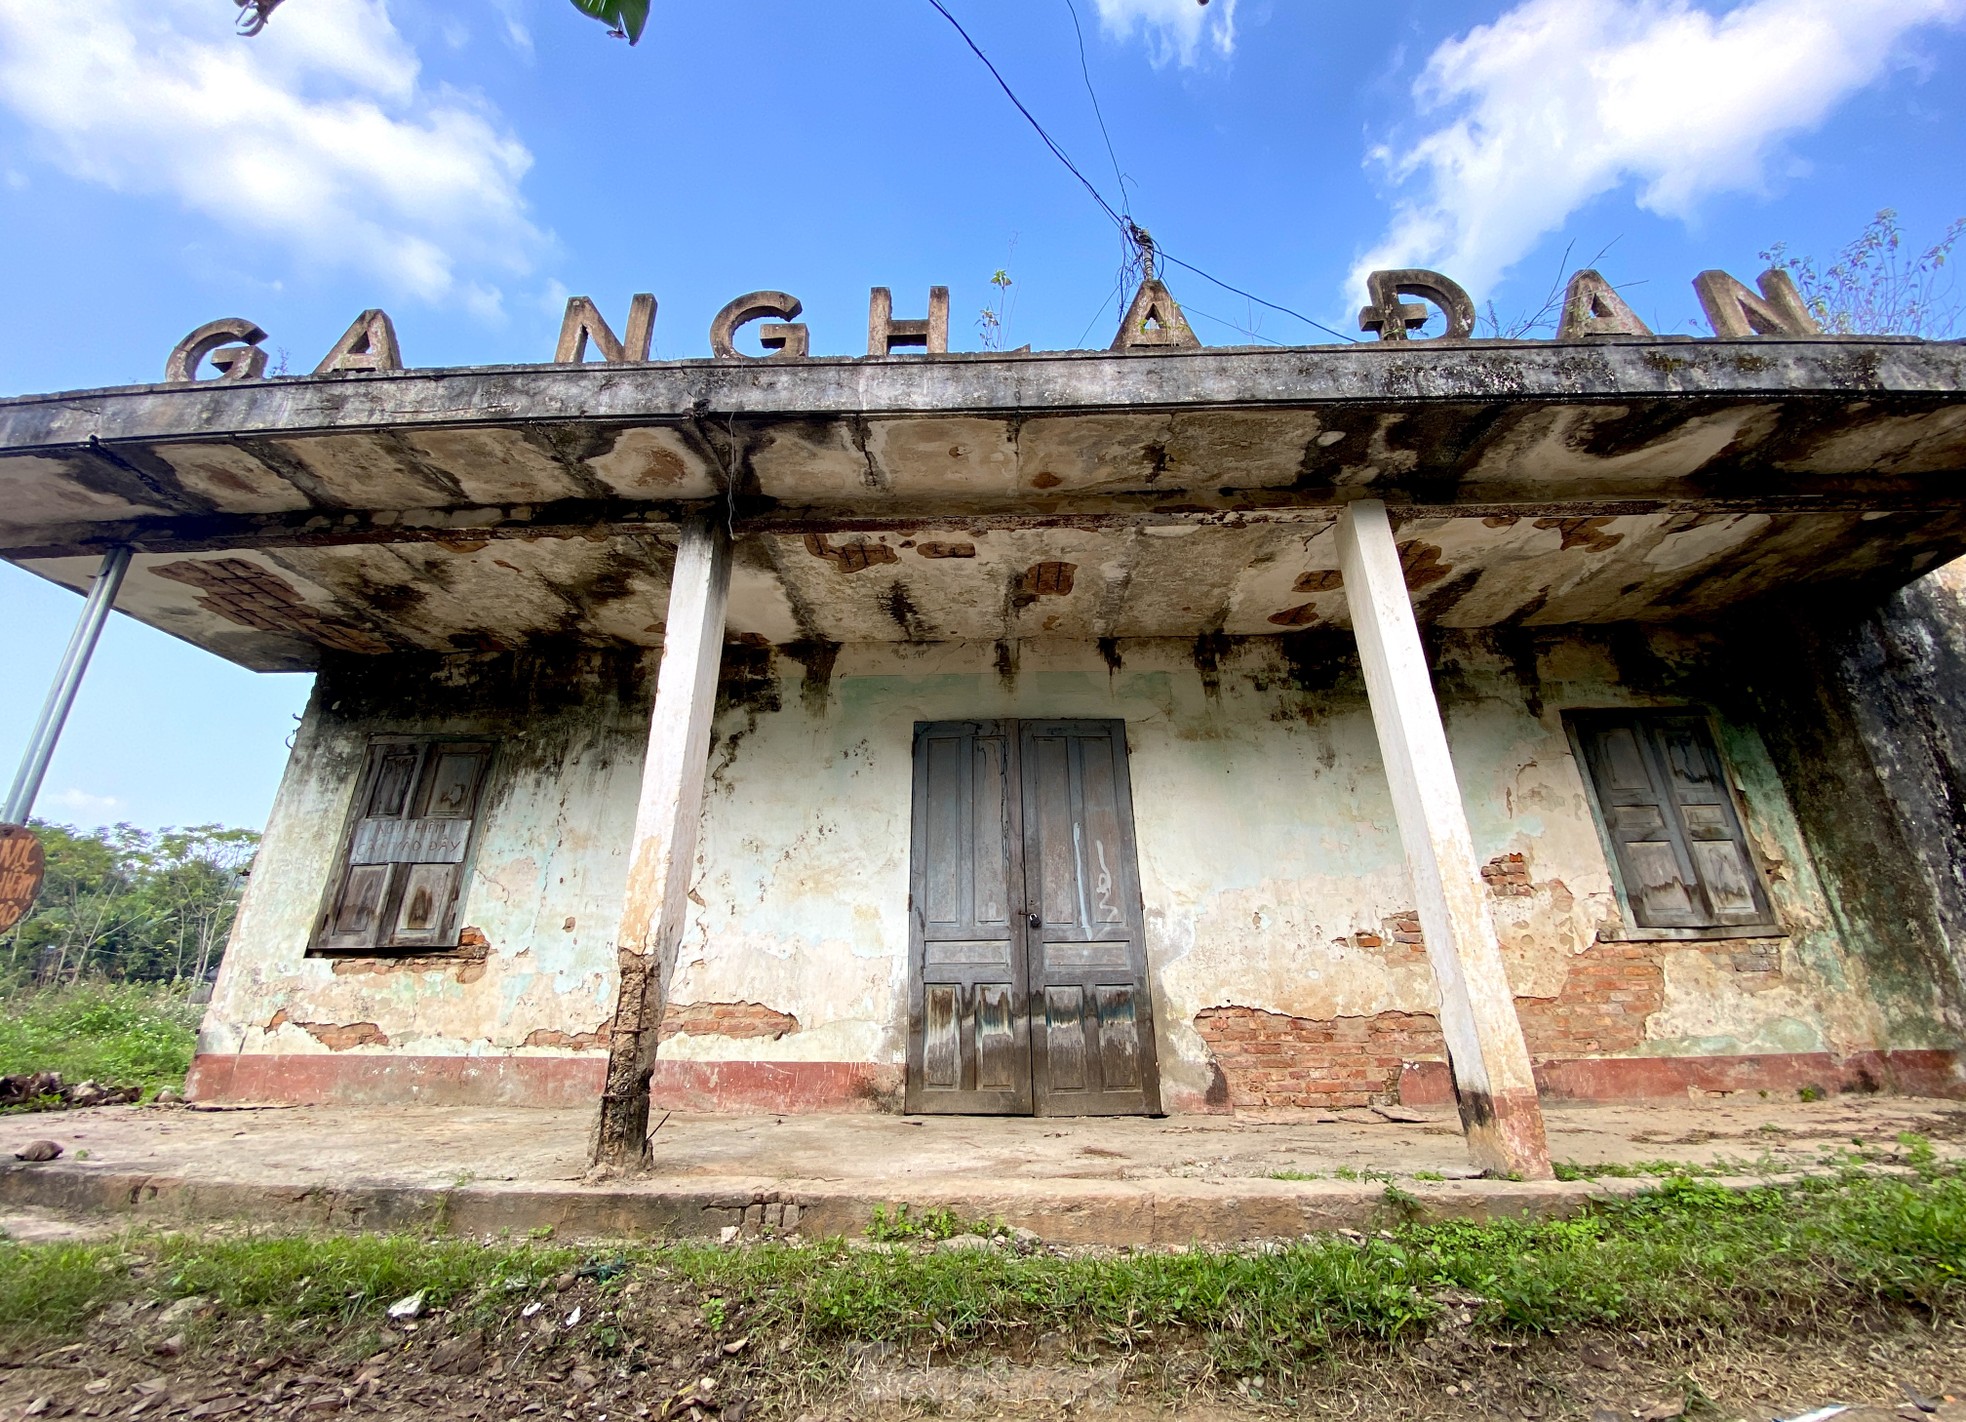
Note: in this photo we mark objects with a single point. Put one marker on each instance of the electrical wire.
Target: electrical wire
(1011, 94)
(1247, 296)
(1189, 309)
(1132, 232)
(1095, 318)
(1085, 70)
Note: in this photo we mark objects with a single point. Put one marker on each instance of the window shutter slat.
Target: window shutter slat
(403, 869)
(1658, 875)
(1734, 892)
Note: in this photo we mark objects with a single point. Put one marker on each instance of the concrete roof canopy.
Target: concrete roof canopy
(1160, 492)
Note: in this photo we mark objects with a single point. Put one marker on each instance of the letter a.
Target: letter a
(1154, 320)
(368, 344)
(1592, 307)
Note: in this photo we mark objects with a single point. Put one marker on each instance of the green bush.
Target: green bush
(118, 1034)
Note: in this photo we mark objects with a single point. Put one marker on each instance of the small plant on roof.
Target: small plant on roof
(1875, 287)
(993, 321)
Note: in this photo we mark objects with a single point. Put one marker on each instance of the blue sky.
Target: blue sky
(468, 163)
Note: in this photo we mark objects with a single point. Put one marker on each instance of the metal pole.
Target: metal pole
(61, 696)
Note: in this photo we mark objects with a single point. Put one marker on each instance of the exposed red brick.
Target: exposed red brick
(726, 1019)
(1507, 876)
(336, 1037)
(1272, 1059)
(243, 592)
(466, 962)
(850, 557)
(1585, 533)
(1421, 564)
(1610, 992)
(1051, 579)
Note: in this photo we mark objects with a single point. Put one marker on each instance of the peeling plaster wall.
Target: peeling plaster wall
(1271, 868)
(537, 977)
(1894, 678)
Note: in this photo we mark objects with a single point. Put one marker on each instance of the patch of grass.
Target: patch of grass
(1689, 1261)
(1690, 1257)
(118, 1034)
(49, 1290)
(1634, 1170)
(895, 1225)
(1293, 1175)
(1346, 1172)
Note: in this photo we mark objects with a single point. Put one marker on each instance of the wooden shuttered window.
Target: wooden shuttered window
(402, 870)
(1670, 817)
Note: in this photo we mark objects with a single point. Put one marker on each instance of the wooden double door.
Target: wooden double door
(1027, 990)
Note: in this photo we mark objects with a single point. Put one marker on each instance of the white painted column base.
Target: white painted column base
(1500, 1111)
(666, 821)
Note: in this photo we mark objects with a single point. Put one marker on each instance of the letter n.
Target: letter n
(1736, 313)
(584, 320)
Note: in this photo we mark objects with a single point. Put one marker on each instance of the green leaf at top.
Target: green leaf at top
(626, 18)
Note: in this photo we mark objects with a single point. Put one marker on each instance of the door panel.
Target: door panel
(968, 1033)
(1095, 1055)
(1028, 989)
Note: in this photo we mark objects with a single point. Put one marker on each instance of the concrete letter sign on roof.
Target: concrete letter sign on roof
(1395, 320)
(1735, 313)
(884, 333)
(1592, 307)
(244, 362)
(1154, 320)
(369, 343)
(584, 319)
(785, 342)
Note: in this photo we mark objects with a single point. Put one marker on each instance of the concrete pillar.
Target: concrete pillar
(666, 819)
(1500, 1111)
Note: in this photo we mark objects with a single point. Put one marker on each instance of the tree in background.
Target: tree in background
(193, 881)
(1877, 288)
(127, 903)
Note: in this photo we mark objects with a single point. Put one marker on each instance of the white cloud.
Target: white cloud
(1174, 29)
(1560, 101)
(81, 802)
(516, 33)
(316, 134)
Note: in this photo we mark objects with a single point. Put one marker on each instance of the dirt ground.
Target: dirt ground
(579, 1352)
(648, 1351)
(442, 1146)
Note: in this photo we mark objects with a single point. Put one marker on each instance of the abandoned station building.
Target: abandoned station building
(1063, 732)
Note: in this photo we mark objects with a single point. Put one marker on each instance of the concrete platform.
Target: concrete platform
(1112, 1181)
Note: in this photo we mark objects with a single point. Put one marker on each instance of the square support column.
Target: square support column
(1500, 1112)
(666, 820)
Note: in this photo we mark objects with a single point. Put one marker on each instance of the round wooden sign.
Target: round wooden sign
(21, 866)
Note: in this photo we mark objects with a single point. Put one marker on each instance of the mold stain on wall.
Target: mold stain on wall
(1276, 897)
